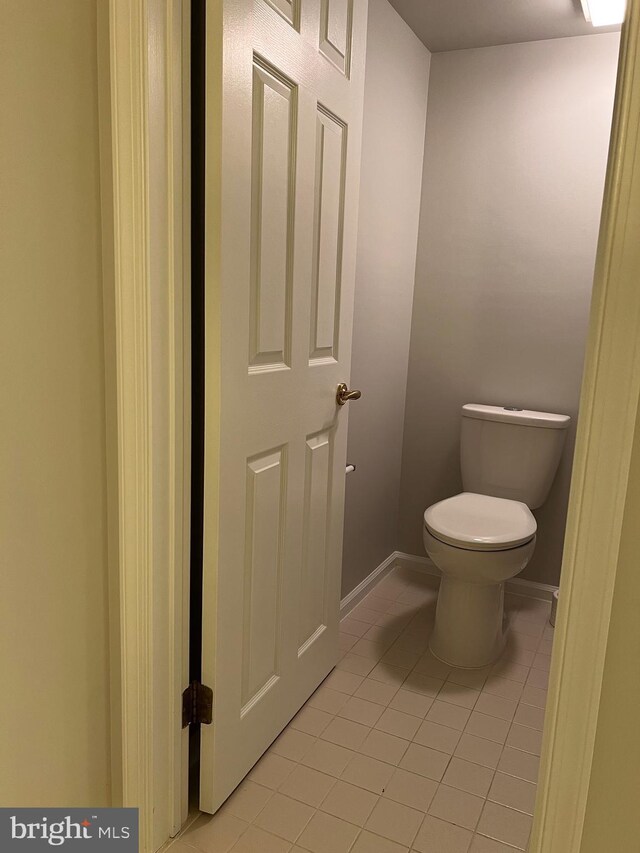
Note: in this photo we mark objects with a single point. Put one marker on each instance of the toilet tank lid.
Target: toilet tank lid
(512, 415)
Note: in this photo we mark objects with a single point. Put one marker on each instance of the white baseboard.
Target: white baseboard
(517, 586)
(364, 587)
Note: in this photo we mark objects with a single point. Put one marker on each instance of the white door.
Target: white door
(285, 83)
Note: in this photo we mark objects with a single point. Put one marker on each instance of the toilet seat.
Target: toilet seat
(480, 522)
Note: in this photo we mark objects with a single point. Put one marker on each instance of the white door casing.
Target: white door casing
(285, 82)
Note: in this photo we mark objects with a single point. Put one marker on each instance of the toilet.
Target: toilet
(487, 534)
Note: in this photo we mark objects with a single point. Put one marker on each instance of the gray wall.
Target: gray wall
(392, 157)
(515, 157)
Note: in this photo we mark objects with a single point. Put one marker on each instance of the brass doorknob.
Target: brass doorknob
(343, 394)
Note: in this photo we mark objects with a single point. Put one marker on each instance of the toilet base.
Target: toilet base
(468, 631)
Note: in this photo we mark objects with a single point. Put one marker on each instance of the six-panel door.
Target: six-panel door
(284, 100)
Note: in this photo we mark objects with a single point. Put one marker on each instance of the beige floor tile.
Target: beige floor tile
(446, 714)
(368, 773)
(346, 641)
(413, 643)
(310, 720)
(491, 728)
(398, 723)
(271, 770)
(437, 736)
(395, 821)
(545, 647)
(327, 700)
(479, 750)
(523, 641)
(534, 696)
(513, 793)
(542, 661)
(328, 834)
(469, 777)
(361, 711)
(377, 603)
(430, 665)
(365, 614)
(525, 738)
(376, 691)
(307, 785)
(349, 802)
(473, 678)
(538, 678)
(215, 833)
(521, 764)
(384, 747)
(425, 761)
(456, 807)
(505, 825)
(256, 840)
(354, 627)
(535, 609)
(528, 715)
(523, 657)
(411, 790)
(438, 836)
(426, 685)
(369, 843)
(511, 670)
(388, 674)
(495, 706)
(292, 744)
(411, 703)
(345, 733)
(390, 587)
(456, 694)
(248, 800)
(284, 817)
(504, 687)
(178, 846)
(401, 657)
(525, 626)
(369, 649)
(355, 663)
(343, 682)
(385, 620)
(383, 635)
(327, 758)
(482, 844)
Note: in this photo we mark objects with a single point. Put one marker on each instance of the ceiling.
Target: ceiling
(459, 24)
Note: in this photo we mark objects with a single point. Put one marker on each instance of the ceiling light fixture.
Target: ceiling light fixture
(604, 13)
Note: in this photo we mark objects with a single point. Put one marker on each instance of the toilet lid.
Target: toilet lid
(480, 522)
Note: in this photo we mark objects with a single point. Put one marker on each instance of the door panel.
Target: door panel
(284, 120)
(273, 181)
(329, 206)
(264, 520)
(314, 574)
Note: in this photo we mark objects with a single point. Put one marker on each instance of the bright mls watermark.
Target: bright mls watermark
(103, 830)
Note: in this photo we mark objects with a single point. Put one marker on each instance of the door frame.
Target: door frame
(143, 83)
(606, 436)
(147, 363)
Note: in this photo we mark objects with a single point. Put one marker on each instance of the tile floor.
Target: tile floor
(395, 751)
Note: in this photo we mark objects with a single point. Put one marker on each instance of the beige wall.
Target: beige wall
(392, 154)
(516, 148)
(53, 612)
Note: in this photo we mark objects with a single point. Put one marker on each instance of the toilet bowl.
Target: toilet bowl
(487, 534)
(478, 542)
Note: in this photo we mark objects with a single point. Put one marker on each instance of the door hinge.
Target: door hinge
(197, 705)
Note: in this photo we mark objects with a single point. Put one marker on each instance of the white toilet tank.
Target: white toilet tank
(511, 453)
